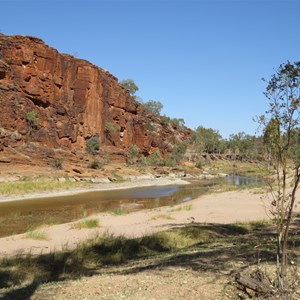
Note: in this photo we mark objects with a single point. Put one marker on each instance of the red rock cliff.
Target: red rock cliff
(73, 101)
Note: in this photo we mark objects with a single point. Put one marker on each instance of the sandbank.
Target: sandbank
(227, 207)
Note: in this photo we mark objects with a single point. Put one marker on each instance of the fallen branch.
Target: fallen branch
(260, 285)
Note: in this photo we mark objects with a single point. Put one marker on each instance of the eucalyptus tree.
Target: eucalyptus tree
(281, 129)
(129, 85)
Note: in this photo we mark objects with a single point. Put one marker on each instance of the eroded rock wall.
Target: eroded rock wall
(73, 100)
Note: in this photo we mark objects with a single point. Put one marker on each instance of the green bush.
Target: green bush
(200, 164)
(110, 127)
(32, 118)
(93, 144)
(143, 160)
(155, 159)
(178, 152)
(96, 164)
(164, 120)
(57, 163)
(150, 126)
(132, 154)
(170, 161)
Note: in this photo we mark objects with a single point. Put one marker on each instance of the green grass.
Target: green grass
(167, 217)
(182, 208)
(29, 186)
(89, 224)
(117, 176)
(36, 234)
(120, 212)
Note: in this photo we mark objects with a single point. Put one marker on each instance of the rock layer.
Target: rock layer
(71, 101)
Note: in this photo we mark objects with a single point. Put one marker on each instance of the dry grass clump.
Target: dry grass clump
(36, 234)
(188, 207)
(88, 224)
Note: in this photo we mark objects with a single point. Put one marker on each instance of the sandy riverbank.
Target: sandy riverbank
(228, 207)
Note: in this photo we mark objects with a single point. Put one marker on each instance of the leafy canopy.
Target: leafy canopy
(154, 107)
(129, 85)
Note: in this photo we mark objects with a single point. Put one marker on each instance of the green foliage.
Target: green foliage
(207, 140)
(120, 212)
(129, 85)
(178, 122)
(143, 160)
(165, 120)
(294, 151)
(242, 142)
(96, 164)
(176, 156)
(151, 126)
(200, 163)
(169, 161)
(178, 151)
(182, 208)
(282, 135)
(110, 127)
(88, 223)
(36, 235)
(93, 144)
(155, 159)
(32, 118)
(132, 154)
(57, 163)
(154, 107)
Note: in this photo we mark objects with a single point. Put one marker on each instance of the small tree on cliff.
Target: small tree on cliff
(281, 126)
(154, 107)
(129, 85)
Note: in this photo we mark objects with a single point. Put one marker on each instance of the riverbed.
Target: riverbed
(21, 216)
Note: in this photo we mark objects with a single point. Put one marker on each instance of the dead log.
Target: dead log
(259, 286)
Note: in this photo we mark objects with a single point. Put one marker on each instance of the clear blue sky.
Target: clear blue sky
(203, 60)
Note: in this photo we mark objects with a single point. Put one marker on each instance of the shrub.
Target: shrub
(178, 122)
(110, 127)
(89, 224)
(179, 151)
(164, 120)
(150, 126)
(93, 144)
(32, 118)
(96, 164)
(143, 160)
(200, 164)
(132, 154)
(170, 161)
(57, 163)
(155, 159)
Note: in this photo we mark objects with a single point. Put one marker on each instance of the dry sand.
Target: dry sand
(227, 207)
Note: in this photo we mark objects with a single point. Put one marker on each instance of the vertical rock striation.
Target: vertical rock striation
(73, 100)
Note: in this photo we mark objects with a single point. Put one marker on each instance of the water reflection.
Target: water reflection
(19, 216)
(241, 180)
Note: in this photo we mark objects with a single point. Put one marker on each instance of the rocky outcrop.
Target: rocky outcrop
(58, 102)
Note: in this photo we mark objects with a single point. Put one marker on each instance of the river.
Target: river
(21, 216)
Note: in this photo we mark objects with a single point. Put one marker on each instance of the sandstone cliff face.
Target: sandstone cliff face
(73, 101)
